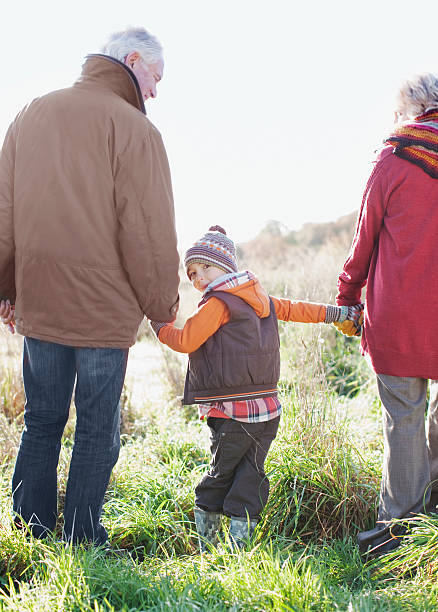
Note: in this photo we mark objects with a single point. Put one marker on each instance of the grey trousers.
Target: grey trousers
(410, 461)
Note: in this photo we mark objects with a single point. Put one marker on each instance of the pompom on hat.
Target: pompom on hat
(214, 248)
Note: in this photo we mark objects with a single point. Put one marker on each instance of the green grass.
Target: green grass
(322, 578)
(324, 475)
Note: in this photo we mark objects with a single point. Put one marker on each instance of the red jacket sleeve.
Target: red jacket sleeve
(355, 272)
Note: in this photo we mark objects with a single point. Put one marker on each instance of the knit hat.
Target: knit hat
(214, 248)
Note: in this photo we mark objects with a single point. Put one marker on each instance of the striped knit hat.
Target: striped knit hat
(213, 248)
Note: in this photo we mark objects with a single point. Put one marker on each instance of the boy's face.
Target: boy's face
(202, 274)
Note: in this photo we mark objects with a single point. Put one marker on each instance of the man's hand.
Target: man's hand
(156, 326)
(352, 326)
(7, 315)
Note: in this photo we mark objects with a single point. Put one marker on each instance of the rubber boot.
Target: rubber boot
(207, 526)
(241, 531)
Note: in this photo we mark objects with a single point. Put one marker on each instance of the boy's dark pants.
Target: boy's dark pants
(236, 483)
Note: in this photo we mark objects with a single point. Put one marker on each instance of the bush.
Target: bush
(321, 486)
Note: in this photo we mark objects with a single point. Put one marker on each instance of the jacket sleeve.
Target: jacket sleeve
(7, 243)
(369, 222)
(147, 235)
(300, 312)
(197, 329)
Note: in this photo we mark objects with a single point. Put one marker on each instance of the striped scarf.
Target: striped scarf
(417, 141)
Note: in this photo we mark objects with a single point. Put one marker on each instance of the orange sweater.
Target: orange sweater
(211, 315)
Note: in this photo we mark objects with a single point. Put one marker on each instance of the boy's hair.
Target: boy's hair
(214, 248)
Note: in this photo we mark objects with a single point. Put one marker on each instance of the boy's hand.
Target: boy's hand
(7, 315)
(352, 326)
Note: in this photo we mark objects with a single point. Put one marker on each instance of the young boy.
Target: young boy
(234, 366)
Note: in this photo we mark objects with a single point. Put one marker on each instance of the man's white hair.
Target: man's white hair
(120, 44)
(418, 95)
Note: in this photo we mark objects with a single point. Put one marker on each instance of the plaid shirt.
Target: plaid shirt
(248, 411)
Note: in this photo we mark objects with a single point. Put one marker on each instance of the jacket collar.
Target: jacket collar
(109, 73)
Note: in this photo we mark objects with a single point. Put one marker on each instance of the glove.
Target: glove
(156, 326)
(352, 325)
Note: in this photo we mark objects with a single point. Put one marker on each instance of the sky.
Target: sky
(268, 110)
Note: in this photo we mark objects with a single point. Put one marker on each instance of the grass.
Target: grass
(11, 398)
(320, 578)
(304, 556)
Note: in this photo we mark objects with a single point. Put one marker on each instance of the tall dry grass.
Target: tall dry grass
(12, 397)
(298, 273)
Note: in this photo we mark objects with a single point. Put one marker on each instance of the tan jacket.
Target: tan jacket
(86, 213)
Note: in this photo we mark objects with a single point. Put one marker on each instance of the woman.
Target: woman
(395, 254)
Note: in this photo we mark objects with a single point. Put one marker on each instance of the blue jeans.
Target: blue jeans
(49, 374)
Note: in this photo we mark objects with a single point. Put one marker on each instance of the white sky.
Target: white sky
(268, 110)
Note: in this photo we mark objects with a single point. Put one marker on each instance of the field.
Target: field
(324, 469)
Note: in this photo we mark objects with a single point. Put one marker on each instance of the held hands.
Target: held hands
(156, 326)
(7, 315)
(352, 325)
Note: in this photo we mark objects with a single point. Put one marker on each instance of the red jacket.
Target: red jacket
(395, 254)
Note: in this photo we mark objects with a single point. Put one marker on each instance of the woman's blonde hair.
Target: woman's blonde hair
(418, 95)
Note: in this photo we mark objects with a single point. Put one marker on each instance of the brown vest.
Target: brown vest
(240, 361)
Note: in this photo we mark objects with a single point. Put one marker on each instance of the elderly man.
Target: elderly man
(87, 249)
(395, 253)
